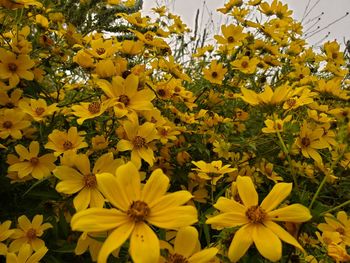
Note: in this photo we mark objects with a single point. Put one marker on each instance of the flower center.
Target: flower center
(334, 55)
(176, 258)
(255, 214)
(100, 50)
(138, 20)
(94, 107)
(291, 102)
(124, 99)
(7, 124)
(230, 39)
(305, 141)
(161, 92)
(31, 233)
(214, 74)
(34, 161)
(138, 211)
(340, 230)
(244, 64)
(139, 142)
(9, 105)
(67, 145)
(12, 67)
(149, 37)
(39, 111)
(90, 180)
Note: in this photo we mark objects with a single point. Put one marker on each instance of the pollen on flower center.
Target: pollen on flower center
(214, 74)
(90, 180)
(161, 92)
(291, 102)
(39, 111)
(139, 142)
(100, 51)
(255, 214)
(12, 67)
(230, 39)
(7, 124)
(244, 64)
(305, 141)
(34, 160)
(149, 37)
(176, 258)
(31, 233)
(124, 99)
(340, 230)
(138, 211)
(94, 107)
(67, 145)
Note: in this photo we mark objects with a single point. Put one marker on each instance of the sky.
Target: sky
(332, 11)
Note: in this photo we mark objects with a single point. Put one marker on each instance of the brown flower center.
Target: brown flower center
(256, 214)
(138, 211)
(7, 124)
(334, 55)
(90, 180)
(67, 145)
(94, 107)
(230, 39)
(31, 233)
(305, 141)
(34, 161)
(214, 74)
(149, 37)
(39, 111)
(100, 50)
(124, 99)
(12, 67)
(340, 230)
(161, 92)
(176, 258)
(291, 102)
(138, 20)
(244, 64)
(139, 142)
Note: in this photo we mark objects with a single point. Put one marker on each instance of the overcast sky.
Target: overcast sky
(332, 9)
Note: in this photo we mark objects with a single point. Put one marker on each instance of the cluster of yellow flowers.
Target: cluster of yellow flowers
(134, 139)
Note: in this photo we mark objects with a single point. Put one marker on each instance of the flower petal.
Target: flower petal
(129, 181)
(82, 200)
(115, 240)
(171, 200)
(174, 217)
(205, 255)
(296, 213)
(247, 191)
(156, 187)
(98, 219)
(276, 196)
(229, 219)
(185, 241)
(267, 243)
(228, 205)
(241, 241)
(144, 244)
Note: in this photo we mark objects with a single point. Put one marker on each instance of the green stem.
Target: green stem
(318, 191)
(337, 207)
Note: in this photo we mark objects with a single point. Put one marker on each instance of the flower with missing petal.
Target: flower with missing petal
(136, 208)
(257, 222)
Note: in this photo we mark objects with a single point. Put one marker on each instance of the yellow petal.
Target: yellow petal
(241, 241)
(38, 255)
(144, 244)
(174, 217)
(247, 191)
(228, 219)
(82, 200)
(98, 219)
(296, 213)
(24, 223)
(171, 200)
(267, 243)
(128, 179)
(228, 205)
(115, 240)
(276, 196)
(204, 256)
(156, 187)
(185, 241)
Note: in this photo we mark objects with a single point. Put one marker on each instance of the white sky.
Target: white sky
(333, 10)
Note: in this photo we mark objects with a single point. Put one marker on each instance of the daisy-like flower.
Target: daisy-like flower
(245, 64)
(11, 101)
(232, 36)
(12, 123)
(77, 177)
(138, 140)
(187, 248)
(125, 94)
(5, 233)
(268, 96)
(275, 125)
(60, 141)
(26, 255)
(37, 109)
(89, 110)
(257, 221)
(89, 242)
(14, 67)
(215, 73)
(31, 164)
(29, 233)
(135, 208)
(213, 171)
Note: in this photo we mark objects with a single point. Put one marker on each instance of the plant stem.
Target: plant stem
(336, 208)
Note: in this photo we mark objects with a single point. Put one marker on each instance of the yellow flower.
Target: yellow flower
(89, 110)
(232, 36)
(338, 253)
(340, 225)
(213, 171)
(29, 233)
(10, 102)
(60, 141)
(187, 248)
(245, 64)
(102, 49)
(276, 125)
(215, 73)
(81, 179)
(256, 222)
(5, 233)
(12, 123)
(37, 109)
(138, 140)
(268, 96)
(14, 67)
(88, 241)
(131, 47)
(30, 164)
(135, 208)
(25, 255)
